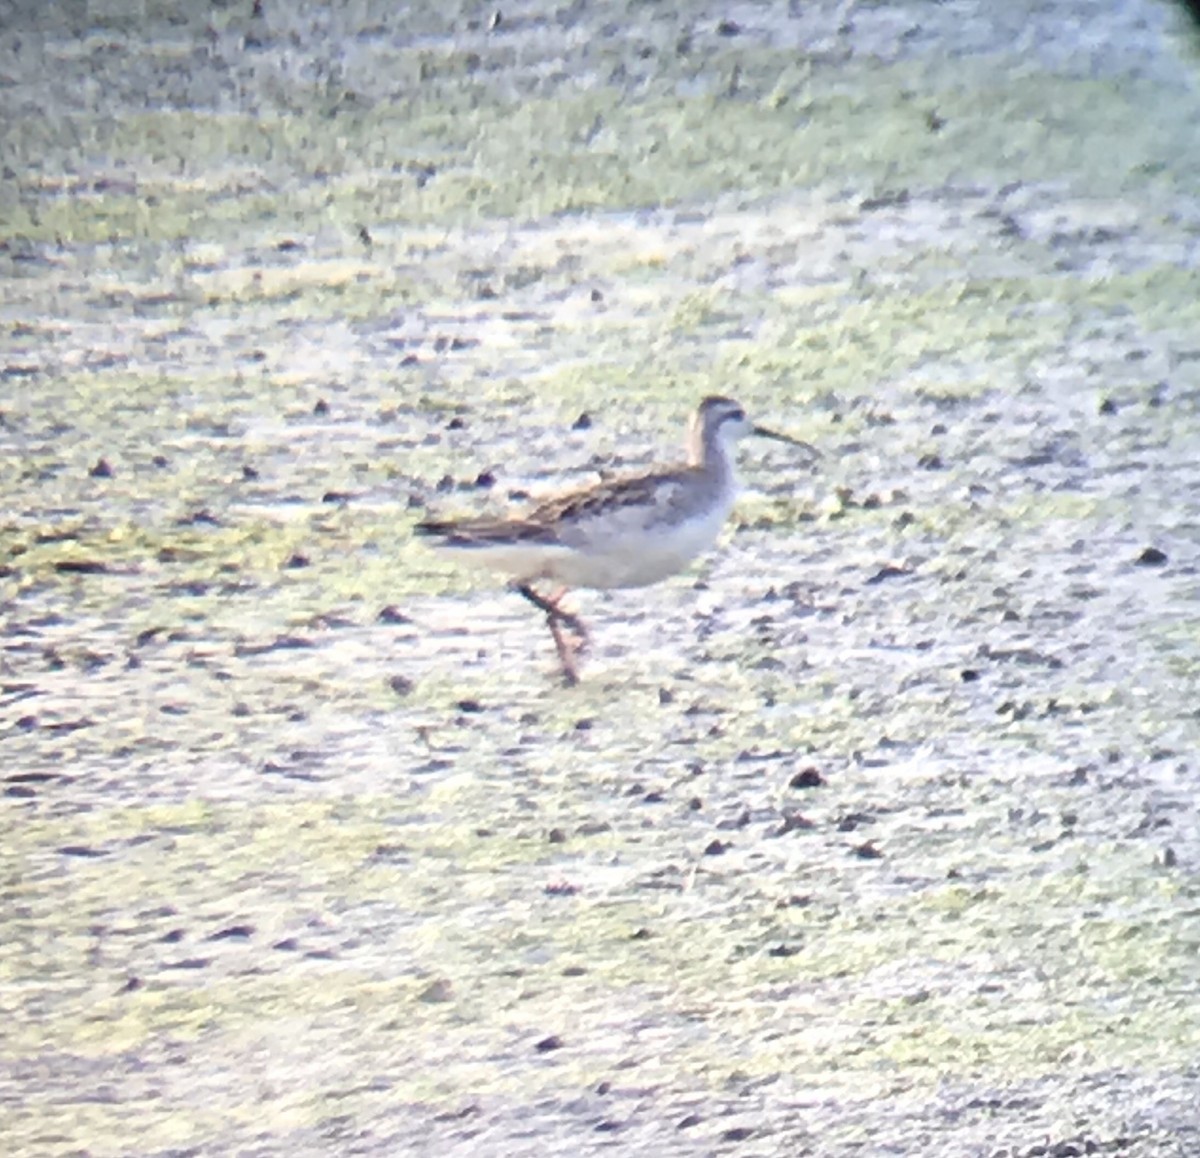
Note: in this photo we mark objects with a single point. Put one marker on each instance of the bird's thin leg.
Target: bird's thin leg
(556, 620)
(576, 624)
(554, 613)
(566, 651)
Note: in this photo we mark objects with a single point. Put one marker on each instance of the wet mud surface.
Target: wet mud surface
(876, 833)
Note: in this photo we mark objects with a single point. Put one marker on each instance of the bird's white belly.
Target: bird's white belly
(638, 559)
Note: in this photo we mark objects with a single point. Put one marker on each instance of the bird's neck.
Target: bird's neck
(709, 452)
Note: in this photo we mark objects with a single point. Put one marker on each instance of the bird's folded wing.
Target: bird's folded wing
(641, 500)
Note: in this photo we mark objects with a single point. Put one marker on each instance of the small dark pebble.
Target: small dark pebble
(456, 423)
(173, 937)
(556, 836)
(890, 200)
(1169, 859)
(584, 725)
(888, 572)
(27, 723)
(132, 985)
(716, 848)
(933, 122)
(795, 901)
(392, 614)
(65, 727)
(737, 1134)
(80, 567)
(653, 798)
(401, 685)
(296, 562)
(101, 469)
(200, 518)
(851, 820)
(445, 484)
(1108, 406)
(608, 1126)
(729, 28)
(469, 706)
(867, 851)
(782, 951)
(695, 804)
(364, 235)
(666, 696)
(336, 497)
(688, 1122)
(287, 945)
(931, 462)
(807, 778)
(1152, 557)
(485, 479)
(249, 474)
(794, 822)
(232, 933)
(282, 643)
(641, 934)
(604, 1088)
(597, 296)
(160, 461)
(321, 406)
(583, 422)
(410, 360)
(20, 791)
(548, 1044)
(968, 675)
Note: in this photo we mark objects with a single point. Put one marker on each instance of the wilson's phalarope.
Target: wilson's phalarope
(624, 532)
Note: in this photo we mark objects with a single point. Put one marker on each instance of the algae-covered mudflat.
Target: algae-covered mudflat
(876, 833)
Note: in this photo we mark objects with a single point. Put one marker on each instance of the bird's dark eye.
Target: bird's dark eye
(738, 415)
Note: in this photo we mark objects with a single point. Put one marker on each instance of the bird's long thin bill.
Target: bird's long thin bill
(763, 432)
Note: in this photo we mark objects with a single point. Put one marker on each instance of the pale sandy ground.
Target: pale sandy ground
(284, 873)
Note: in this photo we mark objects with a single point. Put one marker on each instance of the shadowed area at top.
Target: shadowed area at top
(874, 831)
